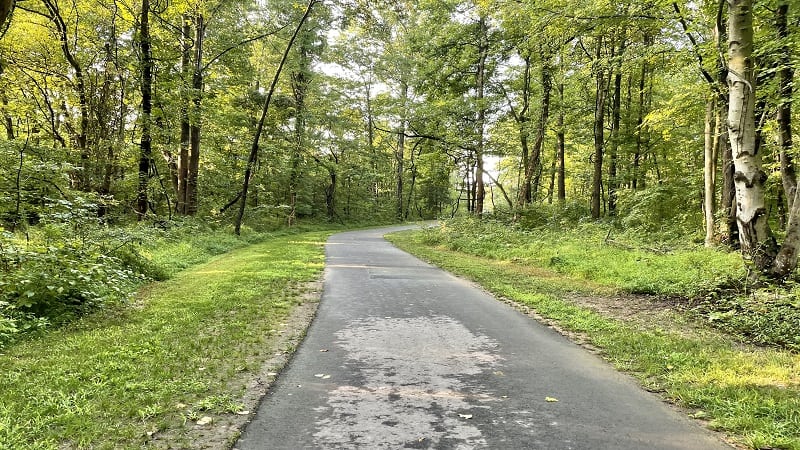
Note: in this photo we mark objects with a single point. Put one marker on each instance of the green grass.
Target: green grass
(750, 392)
(110, 379)
(593, 253)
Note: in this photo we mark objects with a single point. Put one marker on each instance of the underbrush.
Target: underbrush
(596, 252)
(124, 375)
(59, 271)
(708, 283)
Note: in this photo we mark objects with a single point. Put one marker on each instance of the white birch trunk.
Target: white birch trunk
(751, 213)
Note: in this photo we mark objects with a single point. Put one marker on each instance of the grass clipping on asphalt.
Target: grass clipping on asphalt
(751, 393)
(180, 354)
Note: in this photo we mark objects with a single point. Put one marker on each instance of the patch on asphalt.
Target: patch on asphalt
(415, 389)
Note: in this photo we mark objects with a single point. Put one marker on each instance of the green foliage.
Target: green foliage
(57, 281)
(665, 209)
(186, 347)
(555, 216)
(587, 251)
(766, 316)
(73, 264)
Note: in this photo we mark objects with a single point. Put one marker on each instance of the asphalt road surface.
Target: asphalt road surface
(404, 355)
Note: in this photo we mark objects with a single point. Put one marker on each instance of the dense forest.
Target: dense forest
(672, 119)
(623, 171)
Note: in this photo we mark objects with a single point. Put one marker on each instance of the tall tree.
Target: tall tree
(253, 157)
(601, 89)
(145, 145)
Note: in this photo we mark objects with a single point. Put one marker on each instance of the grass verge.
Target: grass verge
(121, 376)
(751, 393)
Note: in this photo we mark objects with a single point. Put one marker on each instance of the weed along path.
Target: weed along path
(404, 355)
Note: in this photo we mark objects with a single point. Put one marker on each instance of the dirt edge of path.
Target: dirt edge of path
(223, 430)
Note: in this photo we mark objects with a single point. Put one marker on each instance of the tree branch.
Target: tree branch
(697, 54)
(239, 44)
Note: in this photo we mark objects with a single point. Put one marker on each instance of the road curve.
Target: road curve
(404, 355)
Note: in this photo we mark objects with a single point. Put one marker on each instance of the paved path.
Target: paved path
(404, 355)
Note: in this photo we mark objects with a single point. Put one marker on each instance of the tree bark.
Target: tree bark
(400, 152)
(300, 83)
(6, 7)
(524, 133)
(183, 156)
(562, 189)
(709, 171)
(599, 134)
(758, 244)
(784, 115)
(533, 167)
(193, 169)
(483, 50)
(638, 177)
(728, 200)
(330, 195)
(786, 260)
(145, 145)
(615, 125)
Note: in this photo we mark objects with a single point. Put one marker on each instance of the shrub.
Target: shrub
(59, 281)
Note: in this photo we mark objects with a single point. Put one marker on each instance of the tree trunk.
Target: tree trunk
(193, 169)
(401, 152)
(81, 137)
(709, 171)
(599, 134)
(562, 189)
(371, 144)
(615, 125)
(728, 186)
(786, 260)
(533, 167)
(6, 6)
(639, 153)
(300, 82)
(253, 157)
(483, 49)
(330, 195)
(183, 156)
(145, 145)
(784, 116)
(758, 244)
(524, 134)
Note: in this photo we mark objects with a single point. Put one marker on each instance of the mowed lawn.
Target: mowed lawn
(178, 351)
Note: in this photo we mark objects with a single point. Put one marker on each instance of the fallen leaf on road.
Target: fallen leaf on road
(465, 416)
(550, 399)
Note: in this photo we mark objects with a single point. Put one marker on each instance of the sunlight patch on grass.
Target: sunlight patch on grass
(112, 378)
